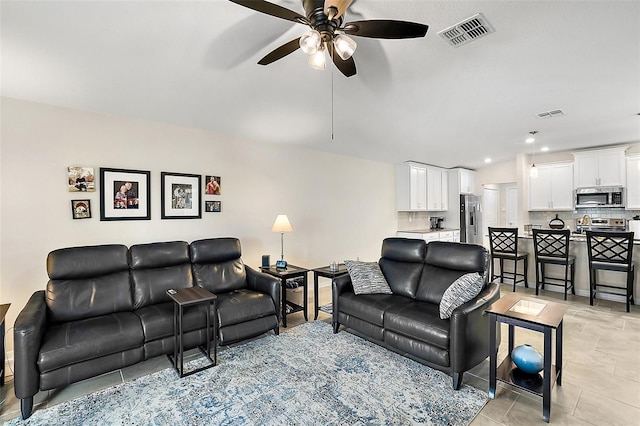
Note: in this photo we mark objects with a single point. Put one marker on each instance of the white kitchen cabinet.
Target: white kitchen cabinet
(552, 190)
(446, 236)
(633, 182)
(456, 236)
(437, 189)
(602, 167)
(411, 191)
(467, 181)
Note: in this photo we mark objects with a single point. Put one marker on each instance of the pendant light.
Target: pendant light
(533, 171)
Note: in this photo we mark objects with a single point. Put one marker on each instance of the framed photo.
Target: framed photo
(213, 186)
(81, 209)
(213, 206)
(180, 195)
(125, 194)
(81, 179)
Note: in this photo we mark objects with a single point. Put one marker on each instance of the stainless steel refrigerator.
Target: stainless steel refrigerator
(471, 219)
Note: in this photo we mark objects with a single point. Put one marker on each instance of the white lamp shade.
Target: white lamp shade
(282, 224)
(310, 42)
(345, 46)
(317, 60)
(533, 172)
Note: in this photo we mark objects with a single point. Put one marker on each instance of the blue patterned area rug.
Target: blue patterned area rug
(305, 376)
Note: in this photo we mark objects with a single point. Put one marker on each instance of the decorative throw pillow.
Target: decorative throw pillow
(461, 291)
(367, 278)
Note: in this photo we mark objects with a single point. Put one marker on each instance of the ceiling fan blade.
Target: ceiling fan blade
(348, 67)
(281, 52)
(340, 5)
(272, 9)
(383, 28)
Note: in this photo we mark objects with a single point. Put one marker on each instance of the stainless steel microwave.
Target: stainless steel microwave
(599, 197)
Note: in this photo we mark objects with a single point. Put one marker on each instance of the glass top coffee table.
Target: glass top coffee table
(533, 314)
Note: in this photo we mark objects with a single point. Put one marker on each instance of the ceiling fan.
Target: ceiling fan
(329, 32)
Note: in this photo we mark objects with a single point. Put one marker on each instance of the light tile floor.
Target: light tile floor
(600, 386)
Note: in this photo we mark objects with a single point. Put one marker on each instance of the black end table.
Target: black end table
(291, 271)
(182, 298)
(532, 314)
(326, 272)
(3, 312)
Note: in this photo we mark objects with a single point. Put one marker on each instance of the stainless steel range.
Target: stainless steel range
(587, 223)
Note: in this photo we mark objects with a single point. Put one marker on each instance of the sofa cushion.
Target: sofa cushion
(367, 278)
(418, 320)
(157, 267)
(77, 341)
(243, 305)
(157, 319)
(461, 291)
(370, 307)
(87, 281)
(215, 250)
(457, 256)
(401, 263)
(434, 282)
(217, 265)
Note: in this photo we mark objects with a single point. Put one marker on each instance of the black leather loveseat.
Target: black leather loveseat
(408, 320)
(106, 307)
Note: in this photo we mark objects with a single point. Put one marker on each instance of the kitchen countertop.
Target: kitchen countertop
(426, 231)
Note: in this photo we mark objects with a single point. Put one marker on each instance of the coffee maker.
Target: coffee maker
(435, 222)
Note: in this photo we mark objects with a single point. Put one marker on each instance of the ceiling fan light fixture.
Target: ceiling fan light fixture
(310, 42)
(317, 60)
(345, 46)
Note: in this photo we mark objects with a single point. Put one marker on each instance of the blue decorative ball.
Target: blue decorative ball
(528, 359)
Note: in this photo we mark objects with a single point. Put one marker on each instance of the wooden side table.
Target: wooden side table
(326, 272)
(291, 271)
(3, 312)
(182, 298)
(532, 314)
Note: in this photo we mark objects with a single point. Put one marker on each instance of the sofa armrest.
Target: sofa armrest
(265, 283)
(339, 285)
(470, 330)
(28, 331)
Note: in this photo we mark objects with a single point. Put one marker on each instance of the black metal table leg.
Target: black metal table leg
(316, 304)
(493, 355)
(283, 284)
(305, 293)
(546, 379)
(559, 354)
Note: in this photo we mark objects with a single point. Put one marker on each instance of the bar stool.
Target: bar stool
(611, 251)
(504, 246)
(552, 247)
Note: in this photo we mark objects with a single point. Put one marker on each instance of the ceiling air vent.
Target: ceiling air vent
(467, 31)
(550, 114)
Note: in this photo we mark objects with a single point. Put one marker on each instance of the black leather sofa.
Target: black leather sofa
(408, 321)
(106, 307)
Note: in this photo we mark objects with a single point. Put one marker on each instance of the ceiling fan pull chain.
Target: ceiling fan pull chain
(332, 68)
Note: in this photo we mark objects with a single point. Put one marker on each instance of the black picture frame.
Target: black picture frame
(125, 194)
(81, 209)
(180, 195)
(213, 206)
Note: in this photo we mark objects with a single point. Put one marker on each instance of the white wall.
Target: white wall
(340, 207)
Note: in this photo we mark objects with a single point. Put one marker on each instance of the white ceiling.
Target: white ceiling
(193, 64)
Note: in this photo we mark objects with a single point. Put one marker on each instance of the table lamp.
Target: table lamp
(281, 225)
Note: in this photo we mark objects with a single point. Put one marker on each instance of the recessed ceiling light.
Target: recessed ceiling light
(531, 138)
(544, 149)
(487, 160)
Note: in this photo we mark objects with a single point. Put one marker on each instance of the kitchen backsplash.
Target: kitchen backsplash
(410, 221)
(569, 218)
